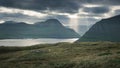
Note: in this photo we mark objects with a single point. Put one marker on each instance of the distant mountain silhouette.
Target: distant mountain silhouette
(51, 28)
(104, 30)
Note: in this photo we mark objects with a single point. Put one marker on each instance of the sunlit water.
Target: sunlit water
(29, 42)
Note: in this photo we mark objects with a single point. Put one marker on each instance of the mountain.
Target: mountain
(104, 30)
(51, 28)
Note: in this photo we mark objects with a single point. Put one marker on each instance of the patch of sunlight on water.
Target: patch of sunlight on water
(29, 42)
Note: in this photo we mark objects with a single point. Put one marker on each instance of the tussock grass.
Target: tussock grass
(62, 55)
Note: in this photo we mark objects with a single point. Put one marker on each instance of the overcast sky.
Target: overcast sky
(70, 12)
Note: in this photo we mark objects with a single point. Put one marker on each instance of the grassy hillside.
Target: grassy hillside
(62, 55)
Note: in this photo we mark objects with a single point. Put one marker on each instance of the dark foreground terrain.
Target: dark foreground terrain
(62, 55)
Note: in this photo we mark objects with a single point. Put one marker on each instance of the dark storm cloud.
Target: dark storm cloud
(19, 17)
(69, 6)
(103, 2)
(96, 10)
(12, 15)
(63, 6)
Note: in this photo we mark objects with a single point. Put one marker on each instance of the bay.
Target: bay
(29, 42)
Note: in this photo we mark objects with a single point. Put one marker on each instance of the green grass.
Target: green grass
(62, 55)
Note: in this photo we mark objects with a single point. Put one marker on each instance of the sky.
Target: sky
(71, 13)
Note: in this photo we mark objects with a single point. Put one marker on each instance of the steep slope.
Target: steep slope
(51, 28)
(104, 30)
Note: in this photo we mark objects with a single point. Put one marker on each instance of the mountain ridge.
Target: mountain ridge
(104, 30)
(52, 28)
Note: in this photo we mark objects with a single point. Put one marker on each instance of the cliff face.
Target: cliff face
(51, 28)
(104, 30)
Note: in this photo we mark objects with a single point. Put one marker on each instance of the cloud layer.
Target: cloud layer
(57, 5)
(96, 10)
(70, 12)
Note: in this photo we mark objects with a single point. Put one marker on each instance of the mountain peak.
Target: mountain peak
(53, 21)
(49, 22)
